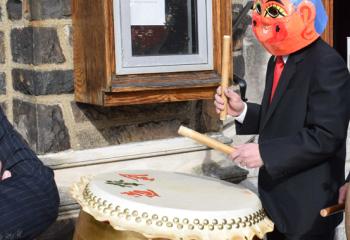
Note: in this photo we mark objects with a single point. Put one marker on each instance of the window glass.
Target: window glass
(172, 30)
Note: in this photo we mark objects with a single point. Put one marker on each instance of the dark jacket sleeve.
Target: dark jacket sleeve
(29, 199)
(250, 124)
(325, 127)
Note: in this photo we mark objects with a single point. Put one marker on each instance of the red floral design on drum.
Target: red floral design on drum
(137, 177)
(141, 193)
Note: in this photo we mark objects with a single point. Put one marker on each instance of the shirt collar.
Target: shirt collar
(285, 58)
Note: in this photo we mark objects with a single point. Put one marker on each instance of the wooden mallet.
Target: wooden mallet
(205, 140)
(338, 208)
(225, 72)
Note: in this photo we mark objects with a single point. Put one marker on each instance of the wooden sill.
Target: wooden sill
(131, 83)
(165, 87)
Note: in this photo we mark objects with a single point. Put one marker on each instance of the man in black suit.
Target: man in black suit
(28, 195)
(302, 121)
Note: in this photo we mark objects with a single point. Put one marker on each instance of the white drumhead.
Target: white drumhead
(173, 194)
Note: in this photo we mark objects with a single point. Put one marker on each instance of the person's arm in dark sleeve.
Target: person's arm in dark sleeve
(29, 198)
(325, 128)
(251, 121)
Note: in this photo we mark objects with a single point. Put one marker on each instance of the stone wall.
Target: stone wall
(36, 88)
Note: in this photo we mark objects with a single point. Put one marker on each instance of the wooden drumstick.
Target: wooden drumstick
(205, 140)
(225, 72)
(332, 210)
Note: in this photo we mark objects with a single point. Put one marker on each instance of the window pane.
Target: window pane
(171, 27)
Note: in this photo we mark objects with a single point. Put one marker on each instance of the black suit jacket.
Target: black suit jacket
(302, 139)
(29, 199)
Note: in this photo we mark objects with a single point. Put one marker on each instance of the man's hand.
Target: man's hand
(5, 175)
(247, 155)
(235, 104)
(343, 190)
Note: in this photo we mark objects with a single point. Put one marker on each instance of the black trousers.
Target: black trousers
(276, 235)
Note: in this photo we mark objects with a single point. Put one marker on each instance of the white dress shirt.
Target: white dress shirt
(240, 118)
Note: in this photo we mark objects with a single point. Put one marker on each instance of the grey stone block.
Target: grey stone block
(43, 83)
(2, 83)
(207, 119)
(244, 21)
(142, 132)
(14, 9)
(2, 47)
(36, 46)
(22, 45)
(42, 126)
(84, 112)
(47, 48)
(25, 121)
(46, 9)
(129, 133)
(52, 132)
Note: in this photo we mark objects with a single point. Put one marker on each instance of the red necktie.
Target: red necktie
(276, 75)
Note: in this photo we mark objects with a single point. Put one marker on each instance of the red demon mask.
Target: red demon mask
(285, 26)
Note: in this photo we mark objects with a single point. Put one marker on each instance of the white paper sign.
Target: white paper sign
(147, 12)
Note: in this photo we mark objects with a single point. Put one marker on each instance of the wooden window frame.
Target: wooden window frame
(164, 62)
(96, 81)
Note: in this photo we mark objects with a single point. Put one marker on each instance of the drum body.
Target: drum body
(166, 205)
(88, 228)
